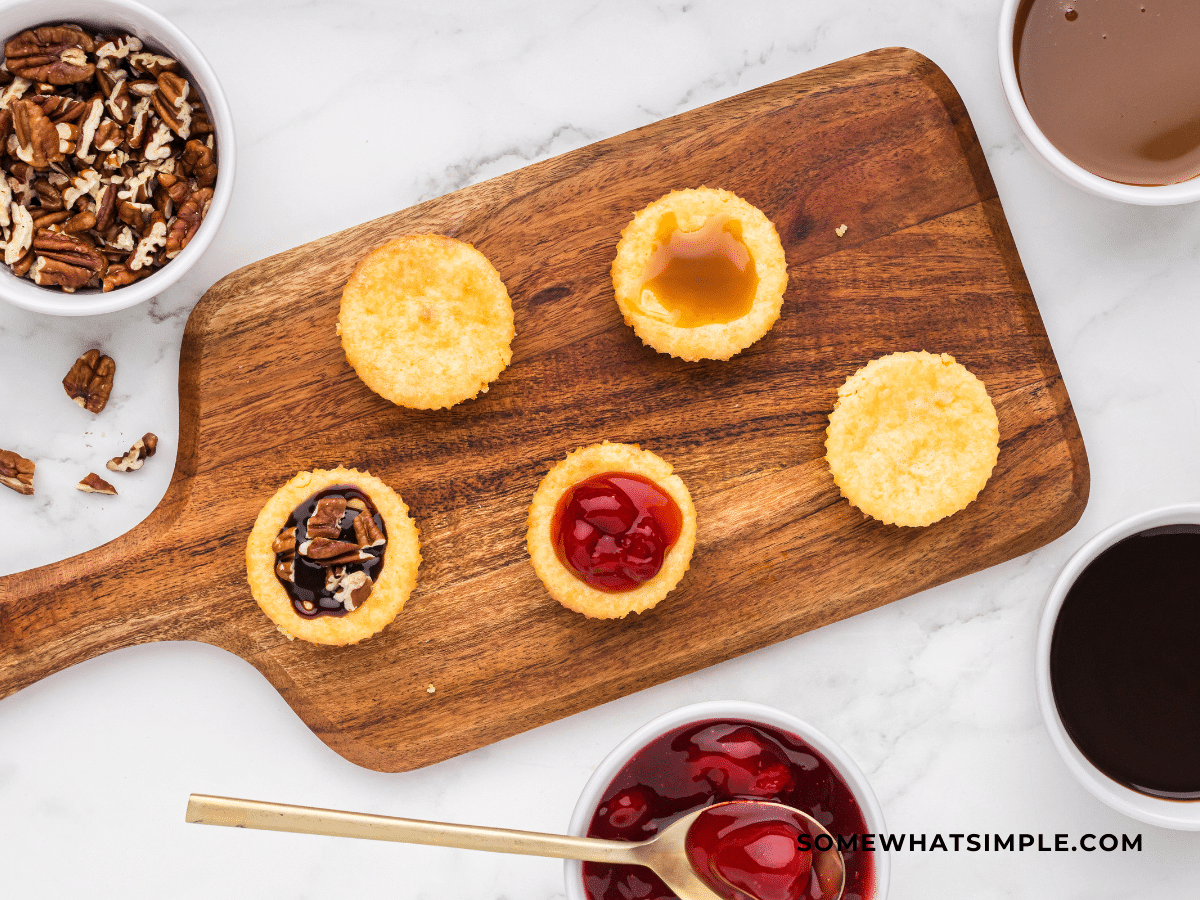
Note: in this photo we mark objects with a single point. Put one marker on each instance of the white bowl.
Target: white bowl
(157, 33)
(735, 710)
(1180, 814)
(1145, 195)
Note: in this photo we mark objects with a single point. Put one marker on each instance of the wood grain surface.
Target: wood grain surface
(880, 143)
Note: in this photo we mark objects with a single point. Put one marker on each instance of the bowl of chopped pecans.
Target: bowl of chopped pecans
(116, 155)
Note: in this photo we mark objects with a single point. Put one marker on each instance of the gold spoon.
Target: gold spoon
(666, 853)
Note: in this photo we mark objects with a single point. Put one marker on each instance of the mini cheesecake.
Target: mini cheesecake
(333, 556)
(611, 530)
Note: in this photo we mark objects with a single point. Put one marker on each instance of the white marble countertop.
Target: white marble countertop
(394, 103)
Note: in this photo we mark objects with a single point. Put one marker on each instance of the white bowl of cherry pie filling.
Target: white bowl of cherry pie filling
(724, 750)
(117, 151)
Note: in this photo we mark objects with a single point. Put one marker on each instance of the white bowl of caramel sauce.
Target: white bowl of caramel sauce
(1108, 94)
(1116, 666)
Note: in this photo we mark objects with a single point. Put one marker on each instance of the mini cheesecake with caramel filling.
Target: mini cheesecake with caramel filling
(611, 530)
(333, 556)
(700, 274)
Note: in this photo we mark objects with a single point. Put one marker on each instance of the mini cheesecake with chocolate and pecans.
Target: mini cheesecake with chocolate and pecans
(333, 556)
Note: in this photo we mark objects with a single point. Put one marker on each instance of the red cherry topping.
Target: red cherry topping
(746, 853)
(627, 809)
(613, 530)
(739, 761)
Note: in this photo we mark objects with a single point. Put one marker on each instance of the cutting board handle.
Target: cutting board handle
(114, 596)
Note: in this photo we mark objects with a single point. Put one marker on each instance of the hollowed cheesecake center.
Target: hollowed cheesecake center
(702, 277)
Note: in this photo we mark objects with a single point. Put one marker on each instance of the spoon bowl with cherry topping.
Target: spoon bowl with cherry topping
(738, 850)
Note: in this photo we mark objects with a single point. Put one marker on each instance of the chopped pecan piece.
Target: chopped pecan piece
(34, 139)
(198, 160)
(115, 87)
(135, 215)
(158, 148)
(108, 137)
(61, 110)
(94, 484)
(154, 239)
(20, 242)
(286, 541)
(142, 449)
(366, 532)
(326, 520)
(201, 124)
(84, 221)
(89, 122)
(114, 48)
(84, 184)
(345, 559)
(90, 381)
(53, 54)
(171, 103)
(16, 472)
(68, 138)
(42, 222)
(153, 64)
(188, 221)
(23, 265)
(50, 197)
(66, 260)
(285, 567)
(323, 549)
(353, 591)
(119, 275)
(106, 207)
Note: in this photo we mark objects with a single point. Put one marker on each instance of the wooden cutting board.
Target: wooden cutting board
(880, 143)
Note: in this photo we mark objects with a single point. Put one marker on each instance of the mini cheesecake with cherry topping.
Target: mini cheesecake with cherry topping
(333, 556)
(611, 530)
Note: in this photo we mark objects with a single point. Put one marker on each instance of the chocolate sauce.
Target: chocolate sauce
(1115, 84)
(1125, 662)
(310, 595)
(701, 277)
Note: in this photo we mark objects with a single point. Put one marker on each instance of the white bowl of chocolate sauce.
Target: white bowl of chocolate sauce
(1118, 673)
(1108, 94)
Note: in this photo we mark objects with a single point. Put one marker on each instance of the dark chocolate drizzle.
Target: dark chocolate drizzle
(309, 584)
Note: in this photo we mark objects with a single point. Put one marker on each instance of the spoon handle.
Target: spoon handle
(206, 810)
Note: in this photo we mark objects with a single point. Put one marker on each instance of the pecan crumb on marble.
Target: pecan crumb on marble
(142, 450)
(16, 472)
(90, 381)
(107, 158)
(94, 484)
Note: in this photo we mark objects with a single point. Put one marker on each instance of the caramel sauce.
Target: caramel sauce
(702, 277)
